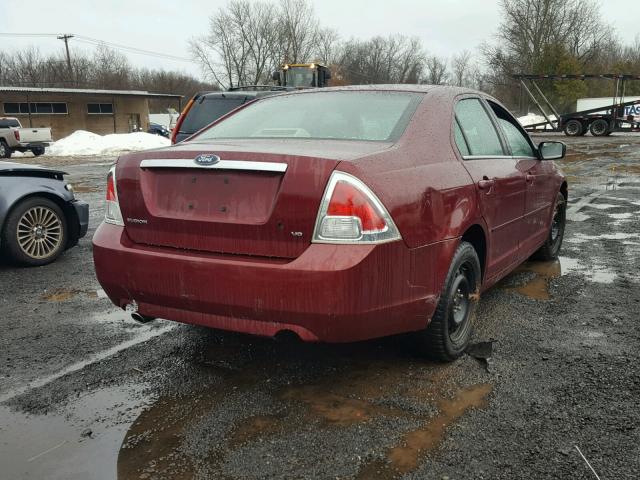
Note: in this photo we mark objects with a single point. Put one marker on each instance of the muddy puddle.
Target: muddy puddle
(283, 391)
(418, 443)
(532, 279)
(78, 443)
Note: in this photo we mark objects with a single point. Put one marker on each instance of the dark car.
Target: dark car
(157, 129)
(207, 107)
(39, 215)
(339, 214)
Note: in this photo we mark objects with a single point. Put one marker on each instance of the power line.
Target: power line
(140, 51)
(28, 34)
(97, 42)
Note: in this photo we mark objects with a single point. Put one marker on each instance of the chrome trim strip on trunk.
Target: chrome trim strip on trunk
(221, 165)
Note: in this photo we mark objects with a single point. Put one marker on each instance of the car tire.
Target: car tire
(447, 335)
(599, 128)
(35, 232)
(573, 128)
(37, 151)
(5, 151)
(551, 247)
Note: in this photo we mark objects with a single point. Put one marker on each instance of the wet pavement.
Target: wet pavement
(87, 393)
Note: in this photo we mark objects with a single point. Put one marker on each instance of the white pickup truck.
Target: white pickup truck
(14, 138)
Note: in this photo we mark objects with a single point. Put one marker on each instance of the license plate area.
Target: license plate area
(225, 196)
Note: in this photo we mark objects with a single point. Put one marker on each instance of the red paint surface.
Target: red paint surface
(240, 268)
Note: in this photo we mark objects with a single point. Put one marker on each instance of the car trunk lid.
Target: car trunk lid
(255, 200)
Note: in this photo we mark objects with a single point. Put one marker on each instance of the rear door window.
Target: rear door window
(209, 110)
(460, 141)
(477, 127)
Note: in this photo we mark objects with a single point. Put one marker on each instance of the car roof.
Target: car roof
(440, 90)
(396, 87)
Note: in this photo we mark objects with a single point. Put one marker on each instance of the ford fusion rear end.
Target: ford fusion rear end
(255, 227)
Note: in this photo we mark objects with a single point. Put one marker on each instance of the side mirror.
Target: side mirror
(551, 150)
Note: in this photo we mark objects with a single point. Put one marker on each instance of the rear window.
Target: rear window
(9, 123)
(202, 114)
(369, 116)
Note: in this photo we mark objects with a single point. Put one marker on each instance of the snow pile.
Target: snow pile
(531, 118)
(86, 143)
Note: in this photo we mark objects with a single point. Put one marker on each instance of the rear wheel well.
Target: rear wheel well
(475, 236)
(564, 189)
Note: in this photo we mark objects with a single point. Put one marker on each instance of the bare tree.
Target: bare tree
(461, 69)
(436, 70)
(299, 30)
(248, 40)
(111, 69)
(532, 28)
(393, 59)
(547, 36)
(223, 52)
(328, 48)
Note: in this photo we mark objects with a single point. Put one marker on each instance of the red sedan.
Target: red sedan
(339, 214)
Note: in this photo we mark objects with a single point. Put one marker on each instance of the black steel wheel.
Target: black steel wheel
(573, 128)
(35, 232)
(5, 151)
(551, 247)
(599, 127)
(449, 332)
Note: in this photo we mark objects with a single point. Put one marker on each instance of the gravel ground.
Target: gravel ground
(86, 393)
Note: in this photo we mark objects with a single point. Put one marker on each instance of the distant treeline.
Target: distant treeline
(247, 40)
(105, 68)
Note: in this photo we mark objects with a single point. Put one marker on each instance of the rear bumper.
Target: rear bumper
(333, 293)
(30, 145)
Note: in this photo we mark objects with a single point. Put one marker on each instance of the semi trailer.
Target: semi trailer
(621, 115)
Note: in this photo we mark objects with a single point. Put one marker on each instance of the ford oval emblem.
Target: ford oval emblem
(206, 160)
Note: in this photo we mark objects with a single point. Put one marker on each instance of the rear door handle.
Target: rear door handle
(530, 178)
(485, 184)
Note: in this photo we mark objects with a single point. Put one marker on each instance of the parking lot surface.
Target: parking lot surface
(87, 393)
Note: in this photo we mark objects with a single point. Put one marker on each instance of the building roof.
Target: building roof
(88, 91)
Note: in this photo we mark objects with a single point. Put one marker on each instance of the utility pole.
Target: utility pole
(66, 37)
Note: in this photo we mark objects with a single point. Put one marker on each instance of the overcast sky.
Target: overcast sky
(445, 26)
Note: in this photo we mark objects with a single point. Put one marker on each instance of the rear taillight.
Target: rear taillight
(351, 213)
(16, 133)
(112, 213)
(176, 129)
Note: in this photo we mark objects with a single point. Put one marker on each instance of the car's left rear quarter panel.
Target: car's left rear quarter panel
(426, 189)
